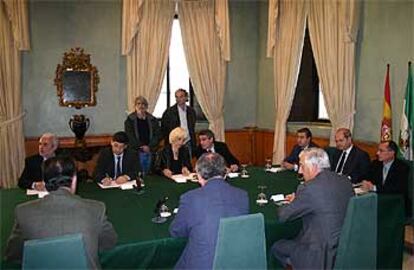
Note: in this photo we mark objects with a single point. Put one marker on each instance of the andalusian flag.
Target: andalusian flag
(407, 120)
(386, 125)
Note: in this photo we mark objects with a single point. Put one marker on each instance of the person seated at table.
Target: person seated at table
(321, 202)
(31, 177)
(304, 140)
(348, 159)
(388, 174)
(61, 213)
(208, 144)
(117, 163)
(174, 157)
(200, 211)
(144, 133)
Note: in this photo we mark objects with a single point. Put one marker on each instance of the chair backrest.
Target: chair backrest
(241, 243)
(358, 241)
(63, 252)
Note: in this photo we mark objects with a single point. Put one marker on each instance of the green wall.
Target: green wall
(386, 36)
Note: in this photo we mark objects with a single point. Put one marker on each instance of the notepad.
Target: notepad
(180, 178)
(277, 197)
(275, 170)
(124, 186)
(40, 194)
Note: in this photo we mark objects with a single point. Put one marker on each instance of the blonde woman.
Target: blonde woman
(174, 158)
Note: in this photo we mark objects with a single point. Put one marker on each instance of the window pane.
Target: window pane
(179, 77)
(322, 113)
(162, 99)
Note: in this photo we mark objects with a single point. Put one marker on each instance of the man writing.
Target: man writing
(61, 213)
(117, 163)
(208, 144)
(304, 140)
(31, 177)
(348, 159)
(200, 211)
(321, 202)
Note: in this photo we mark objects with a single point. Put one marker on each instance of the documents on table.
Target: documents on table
(233, 175)
(180, 178)
(277, 197)
(275, 169)
(126, 185)
(40, 194)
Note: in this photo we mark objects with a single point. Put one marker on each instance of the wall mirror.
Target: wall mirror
(76, 80)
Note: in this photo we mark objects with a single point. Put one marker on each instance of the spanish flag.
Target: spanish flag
(386, 125)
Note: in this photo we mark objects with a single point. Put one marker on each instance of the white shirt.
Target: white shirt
(182, 113)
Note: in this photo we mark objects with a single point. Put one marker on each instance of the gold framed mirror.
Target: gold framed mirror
(76, 80)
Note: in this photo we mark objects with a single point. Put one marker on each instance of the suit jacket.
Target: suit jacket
(165, 157)
(171, 119)
(32, 171)
(322, 204)
(131, 129)
(198, 219)
(293, 158)
(64, 213)
(356, 165)
(396, 181)
(222, 149)
(106, 164)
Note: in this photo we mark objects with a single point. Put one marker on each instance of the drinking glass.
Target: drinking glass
(261, 197)
(268, 164)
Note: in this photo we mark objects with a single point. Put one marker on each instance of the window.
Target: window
(176, 76)
(308, 104)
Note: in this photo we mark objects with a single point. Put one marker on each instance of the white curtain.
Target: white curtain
(333, 27)
(146, 33)
(205, 31)
(14, 37)
(286, 30)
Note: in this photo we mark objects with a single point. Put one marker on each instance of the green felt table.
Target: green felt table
(143, 244)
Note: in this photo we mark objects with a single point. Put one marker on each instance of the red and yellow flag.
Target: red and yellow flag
(386, 124)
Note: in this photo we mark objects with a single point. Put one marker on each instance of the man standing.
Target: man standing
(348, 159)
(388, 174)
(321, 202)
(117, 163)
(200, 211)
(31, 177)
(60, 213)
(180, 115)
(208, 144)
(304, 140)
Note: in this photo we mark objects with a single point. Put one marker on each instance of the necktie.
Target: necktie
(118, 171)
(384, 174)
(341, 163)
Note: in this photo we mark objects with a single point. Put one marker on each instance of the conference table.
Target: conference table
(143, 244)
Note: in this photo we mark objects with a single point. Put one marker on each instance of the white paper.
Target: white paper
(127, 185)
(40, 194)
(232, 175)
(275, 170)
(180, 178)
(277, 197)
(359, 191)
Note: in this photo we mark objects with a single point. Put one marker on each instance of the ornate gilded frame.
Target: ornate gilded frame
(76, 80)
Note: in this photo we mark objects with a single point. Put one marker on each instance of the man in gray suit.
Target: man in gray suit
(60, 213)
(321, 202)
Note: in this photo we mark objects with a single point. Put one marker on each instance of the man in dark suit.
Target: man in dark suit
(388, 174)
(200, 211)
(208, 144)
(117, 163)
(304, 140)
(61, 213)
(31, 177)
(348, 159)
(321, 202)
(180, 115)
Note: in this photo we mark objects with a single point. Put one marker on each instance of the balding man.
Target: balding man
(348, 159)
(321, 203)
(31, 177)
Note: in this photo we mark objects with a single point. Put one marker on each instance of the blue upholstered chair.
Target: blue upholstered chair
(358, 241)
(63, 252)
(241, 243)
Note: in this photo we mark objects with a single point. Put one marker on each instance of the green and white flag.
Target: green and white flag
(407, 120)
